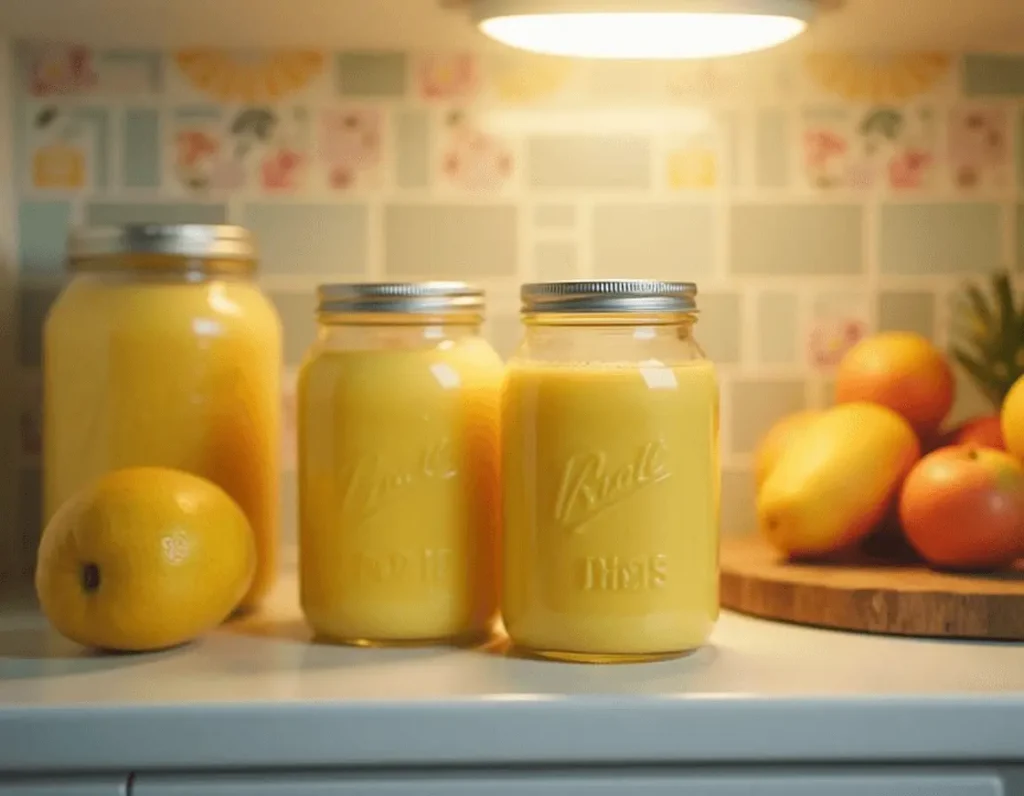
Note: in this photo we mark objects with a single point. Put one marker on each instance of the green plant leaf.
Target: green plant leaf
(1007, 311)
(988, 383)
(979, 304)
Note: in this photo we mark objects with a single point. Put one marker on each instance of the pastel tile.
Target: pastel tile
(555, 259)
(309, 238)
(131, 71)
(718, 326)
(838, 321)
(796, 239)
(657, 241)
(299, 323)
(42, 233)
(738, 502)
(778, 328)
(909, 311)
(993, 75)
(940, 238)
(554, 216)
(99, 119)
(589, 162)
(102, 213)
(412, 149)
(140, 164)
(771, 148)
(757, 404)
(33, 304)
(731, 134)
(372, 74)
(456, 240)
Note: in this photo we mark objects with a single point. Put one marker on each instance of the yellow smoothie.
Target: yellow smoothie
(399, 491)
(166, 372)
(611, 508)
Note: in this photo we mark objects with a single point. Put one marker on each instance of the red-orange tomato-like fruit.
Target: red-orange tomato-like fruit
(985, 431)
(962, 507)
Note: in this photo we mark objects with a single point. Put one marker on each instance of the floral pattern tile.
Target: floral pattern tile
(60, 70)
(447, 76)
(248, 147)
(61, 149)
(878, 147)
(65, 70)
(838, 322)
(350, 147)
(980, 147)
(473, 158)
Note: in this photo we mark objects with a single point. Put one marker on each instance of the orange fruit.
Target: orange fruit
(144, 558)
(902, 371)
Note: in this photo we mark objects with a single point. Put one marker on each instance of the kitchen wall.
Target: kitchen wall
(812, 198)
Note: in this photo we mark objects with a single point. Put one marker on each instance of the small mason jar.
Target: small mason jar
(162, 351)
(610, 474)
(398, 466)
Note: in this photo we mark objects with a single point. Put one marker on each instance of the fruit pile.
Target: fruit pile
(877, 473)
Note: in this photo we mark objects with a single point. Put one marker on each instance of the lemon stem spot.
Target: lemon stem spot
(90, 577)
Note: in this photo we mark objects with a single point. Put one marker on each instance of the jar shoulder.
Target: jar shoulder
(233, 307)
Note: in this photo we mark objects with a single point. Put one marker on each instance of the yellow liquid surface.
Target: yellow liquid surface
(398, 492)
(173, 374)
(611, 508)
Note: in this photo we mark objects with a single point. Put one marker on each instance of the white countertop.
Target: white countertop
(258, 693)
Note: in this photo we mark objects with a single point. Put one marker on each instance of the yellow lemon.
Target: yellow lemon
(775, 441)
(1011, 419)
(144, 558)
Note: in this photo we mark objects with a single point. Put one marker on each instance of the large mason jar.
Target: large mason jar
(610, 474)
(398, 466)
(162, 351)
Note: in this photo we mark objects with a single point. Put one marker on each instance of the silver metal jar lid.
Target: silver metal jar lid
(609, 295)
(400, 297)
(208, 241)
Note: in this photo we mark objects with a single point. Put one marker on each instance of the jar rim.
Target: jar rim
(400, 298)
(574, 296)
(173, 246)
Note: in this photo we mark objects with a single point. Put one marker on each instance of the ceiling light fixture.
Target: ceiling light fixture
(642, 28)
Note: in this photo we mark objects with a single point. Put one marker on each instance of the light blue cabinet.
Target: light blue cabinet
(71, 786)
(787, 782)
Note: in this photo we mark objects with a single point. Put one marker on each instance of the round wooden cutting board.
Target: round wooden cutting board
(902, 600)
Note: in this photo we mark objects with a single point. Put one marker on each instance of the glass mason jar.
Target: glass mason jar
(162, 351)
(398, 466)
(610, 474)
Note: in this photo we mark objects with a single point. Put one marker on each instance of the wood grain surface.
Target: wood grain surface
(871, 597)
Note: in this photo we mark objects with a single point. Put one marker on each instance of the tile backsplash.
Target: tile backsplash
(814, 198)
